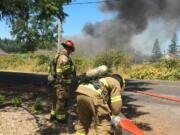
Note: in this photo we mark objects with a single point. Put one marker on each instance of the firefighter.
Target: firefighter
(65, 72)
(97, 102)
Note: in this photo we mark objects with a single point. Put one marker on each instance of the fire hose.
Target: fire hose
(120, 121)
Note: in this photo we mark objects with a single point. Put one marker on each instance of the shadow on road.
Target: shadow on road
(137, 85)
(131, 110)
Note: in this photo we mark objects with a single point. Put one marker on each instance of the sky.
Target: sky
(4, 30)
(79, 15)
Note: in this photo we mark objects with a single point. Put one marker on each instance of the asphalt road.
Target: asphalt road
(154, 115)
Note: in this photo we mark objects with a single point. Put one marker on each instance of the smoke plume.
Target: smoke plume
(132, 18)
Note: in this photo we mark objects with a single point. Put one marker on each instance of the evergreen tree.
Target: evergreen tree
(173, 46)
(156, 51)
(10, 45)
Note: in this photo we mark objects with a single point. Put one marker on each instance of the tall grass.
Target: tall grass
(24, 62)
(117, 62)
(163, 70)
(39, 63)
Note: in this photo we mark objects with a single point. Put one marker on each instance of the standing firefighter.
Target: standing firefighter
(98, 101)
(62, 79)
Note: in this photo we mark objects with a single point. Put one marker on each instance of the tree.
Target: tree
(34, 34)
(156, 51)
(33, 22)
(173, 46)
(10, 45)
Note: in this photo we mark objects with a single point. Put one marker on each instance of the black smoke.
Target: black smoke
(132, 18)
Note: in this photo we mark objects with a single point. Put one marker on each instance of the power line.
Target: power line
(91, 2)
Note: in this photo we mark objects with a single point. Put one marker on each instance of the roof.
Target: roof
(2, 52)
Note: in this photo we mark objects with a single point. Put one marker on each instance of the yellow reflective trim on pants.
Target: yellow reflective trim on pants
(80, 133)
(67, 80)
(115, 99)
(53, 112)
(61, 116)
(59, 70)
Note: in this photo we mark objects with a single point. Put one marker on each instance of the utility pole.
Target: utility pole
(59, 33)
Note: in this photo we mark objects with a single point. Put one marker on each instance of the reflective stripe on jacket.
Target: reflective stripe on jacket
(81, 133)
(64, 67)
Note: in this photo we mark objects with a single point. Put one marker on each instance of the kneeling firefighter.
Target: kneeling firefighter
(97, 101)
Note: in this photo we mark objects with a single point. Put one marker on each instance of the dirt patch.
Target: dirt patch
(20, 121)
(17, 121)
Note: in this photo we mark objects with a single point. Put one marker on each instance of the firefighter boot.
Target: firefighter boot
(52, 116)
(62, 119)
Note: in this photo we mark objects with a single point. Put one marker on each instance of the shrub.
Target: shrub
(25, 62)
(42, 59)
(37, 105)
(175, 75)
(169, 64)
(153, 72)
(112, 58)
(82, 64)
(2, 98)
(16, 102)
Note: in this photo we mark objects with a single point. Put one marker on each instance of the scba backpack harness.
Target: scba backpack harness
(52, 71)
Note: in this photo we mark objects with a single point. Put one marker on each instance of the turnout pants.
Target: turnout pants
(92, 110)
(60, 103)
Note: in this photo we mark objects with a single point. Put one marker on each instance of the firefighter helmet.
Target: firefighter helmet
(120, 79)
(68, 44)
